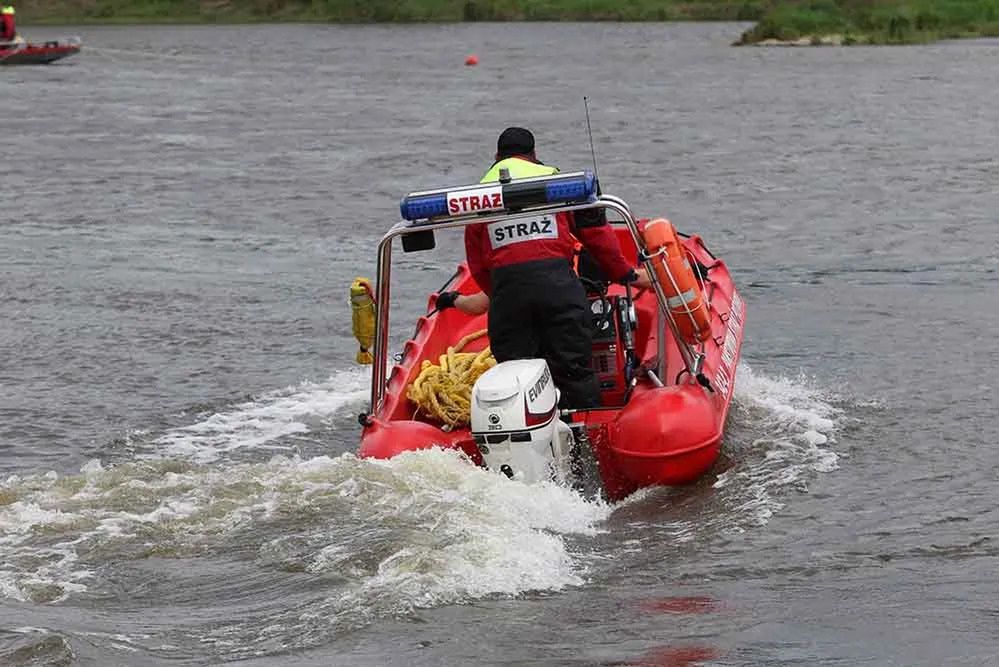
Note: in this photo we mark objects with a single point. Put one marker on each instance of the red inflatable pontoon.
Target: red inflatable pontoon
(666, 389)
(27, 53)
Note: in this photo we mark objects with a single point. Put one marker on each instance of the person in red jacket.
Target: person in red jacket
(8, 31)
(537, 306)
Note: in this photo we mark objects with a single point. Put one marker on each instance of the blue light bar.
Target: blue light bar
(423, 206)
(577, 189)
(573, 188)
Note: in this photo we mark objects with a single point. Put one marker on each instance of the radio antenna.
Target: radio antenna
(593, 153)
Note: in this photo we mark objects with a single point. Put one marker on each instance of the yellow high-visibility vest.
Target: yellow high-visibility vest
(519, 168)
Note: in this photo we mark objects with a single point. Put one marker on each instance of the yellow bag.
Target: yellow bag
(363, 317)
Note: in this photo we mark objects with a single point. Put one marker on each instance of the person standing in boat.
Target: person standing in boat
(8, 31)
(537, 306)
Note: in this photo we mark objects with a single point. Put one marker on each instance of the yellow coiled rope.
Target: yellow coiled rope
(444, 391)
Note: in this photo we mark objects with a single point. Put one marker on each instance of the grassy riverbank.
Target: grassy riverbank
(377, 11)
(782, 21)
(875, 21)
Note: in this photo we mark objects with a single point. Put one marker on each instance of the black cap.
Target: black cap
(515, 141)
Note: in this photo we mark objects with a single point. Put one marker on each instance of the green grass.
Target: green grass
(377, 11)
(859, 21)
(877, 21)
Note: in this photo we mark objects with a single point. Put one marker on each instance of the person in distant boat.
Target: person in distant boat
(8, 31)
(537, 306)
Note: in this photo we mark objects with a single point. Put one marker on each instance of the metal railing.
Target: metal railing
(379, 376)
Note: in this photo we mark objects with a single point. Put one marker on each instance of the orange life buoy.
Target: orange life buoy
(683, 293)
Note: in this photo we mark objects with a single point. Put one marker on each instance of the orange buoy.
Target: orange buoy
(683, 293)
(472, 59)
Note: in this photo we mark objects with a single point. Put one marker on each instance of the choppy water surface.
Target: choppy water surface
(184, 208)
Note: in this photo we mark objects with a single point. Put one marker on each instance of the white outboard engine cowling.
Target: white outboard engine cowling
(515, 422)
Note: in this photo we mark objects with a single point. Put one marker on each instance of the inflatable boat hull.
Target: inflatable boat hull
(657, 435)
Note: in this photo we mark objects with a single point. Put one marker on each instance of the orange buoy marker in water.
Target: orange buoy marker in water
(472, 59)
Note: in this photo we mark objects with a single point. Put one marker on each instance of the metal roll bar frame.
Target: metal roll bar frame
(693, 360)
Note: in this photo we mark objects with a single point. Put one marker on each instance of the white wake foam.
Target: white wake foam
(489, 534)
(791, 426)
(264, 420)
(421, 529)
(379, 538)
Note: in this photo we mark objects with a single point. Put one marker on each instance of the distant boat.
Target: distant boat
(27, 53)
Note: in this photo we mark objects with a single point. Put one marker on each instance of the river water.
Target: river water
(183, 209)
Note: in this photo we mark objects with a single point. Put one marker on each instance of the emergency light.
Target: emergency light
(574, 188)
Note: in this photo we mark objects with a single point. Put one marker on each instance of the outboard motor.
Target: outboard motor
(515, 422)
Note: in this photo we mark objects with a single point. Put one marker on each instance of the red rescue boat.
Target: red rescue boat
(666, 358)
(28, 53)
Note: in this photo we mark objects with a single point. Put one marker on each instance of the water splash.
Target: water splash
(263, 422)
(447, 533)
(365, 538)
(344, 541)
(781, 430)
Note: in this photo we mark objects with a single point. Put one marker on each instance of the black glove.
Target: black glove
(629, 277)
(446, 300)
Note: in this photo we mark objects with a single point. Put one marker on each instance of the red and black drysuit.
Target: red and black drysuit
(537, 305)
